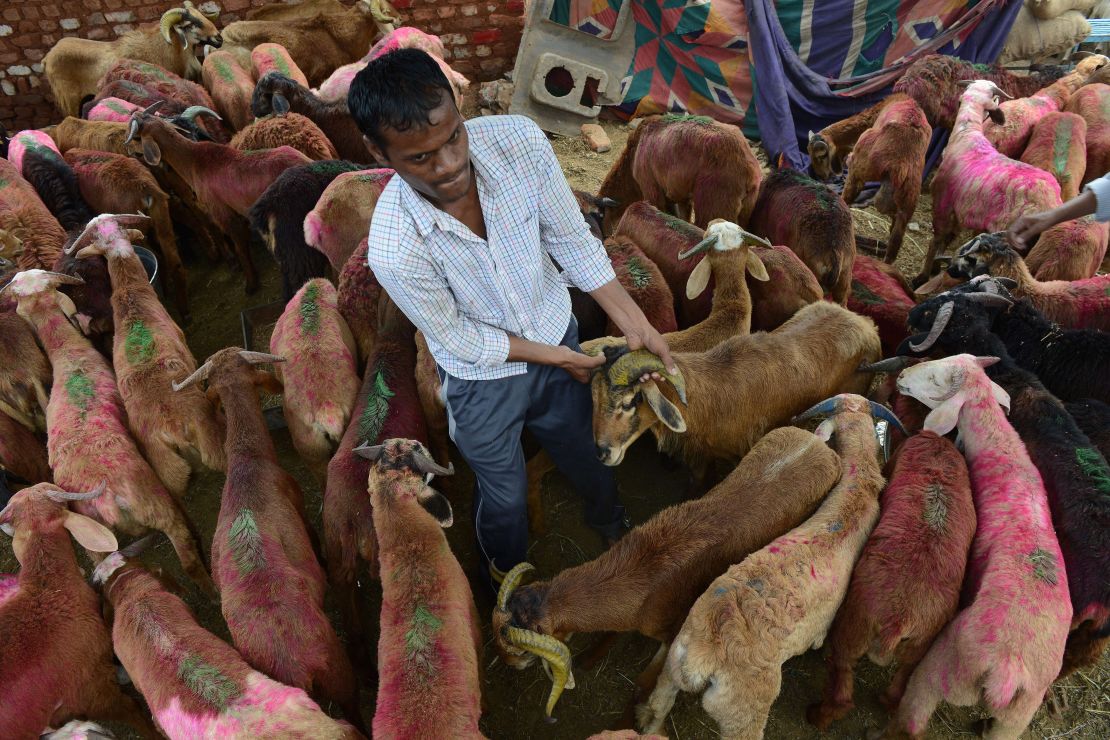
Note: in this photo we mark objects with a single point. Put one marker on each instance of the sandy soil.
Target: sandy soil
(515, 699)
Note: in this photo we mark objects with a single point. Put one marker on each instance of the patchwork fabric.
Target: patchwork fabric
(802, 64)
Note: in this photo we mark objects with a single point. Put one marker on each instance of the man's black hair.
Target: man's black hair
(397, 90)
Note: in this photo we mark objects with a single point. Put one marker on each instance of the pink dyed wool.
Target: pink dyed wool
(112, 109)
(1007, 644)
(9, 584)
(25, 140)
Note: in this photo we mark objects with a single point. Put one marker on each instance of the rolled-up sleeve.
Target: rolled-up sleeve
(1101, 189)
(564, 233)
(427, 300)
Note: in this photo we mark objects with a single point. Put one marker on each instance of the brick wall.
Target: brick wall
(481, 38)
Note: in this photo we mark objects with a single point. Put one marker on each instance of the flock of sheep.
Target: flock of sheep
(976, 564)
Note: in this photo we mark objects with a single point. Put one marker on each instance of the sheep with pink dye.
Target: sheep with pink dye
(339, 82)
(1005, 647)
(149, 353)
(112, 109)
(338, 222)
(906, 585)
(87, 437)
(780, 601)
(28, 139)
(264, 563)
(55, 653)
(978, 188)
(320, 376)
(195, 684)
(428, 670)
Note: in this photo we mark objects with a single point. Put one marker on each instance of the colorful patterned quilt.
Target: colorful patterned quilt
(805, 64)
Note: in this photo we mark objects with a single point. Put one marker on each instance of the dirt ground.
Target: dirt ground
(515, 699)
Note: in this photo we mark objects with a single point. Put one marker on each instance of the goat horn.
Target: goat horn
(701, 246)
(627, 370)
(136, 548)
(998, 90)
(195, 110)
(132, 130)
(62, 279)
(941, 321)
(426, 464)
(969, 246)
(954, 388)
(882, 412)
(553, 651)
(510, 582)
(200, 374)
(825, 408)
(150, 109)
(889, 365)
(63, 496)
(170, 19)
(988, 299)
(259, 358)
(371, 453)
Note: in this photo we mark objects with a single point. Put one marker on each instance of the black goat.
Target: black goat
(1093, 417)
(276, 93)
(278, 217)
(1076, 475)
(56, 184)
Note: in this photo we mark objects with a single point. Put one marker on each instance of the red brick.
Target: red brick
(30, 12)
(51, 10)
(113, 4)
(514, 6)
(505, 20)
(445, 11)
(487, 36)
(97, 34)
(35, 55)
(469, 23)
(401, 4)
(423, 14)
(11, 14)
(8, 57)
(26, 41)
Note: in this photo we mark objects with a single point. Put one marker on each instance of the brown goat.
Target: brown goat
(195, 683)
(231, 87)
(678, 163)
(87, 437)
(806, 216)
(149, 354)
(648, 580)
(73, 66)
(1058, 144)
(733, 393)
(291, 129)
(892, 152)
(56, 655)
(226, 181)
(830, 147)
(271, 585)
(24, 217)
(115, 183)
(359, 293)
(24, 374)
(22, 453)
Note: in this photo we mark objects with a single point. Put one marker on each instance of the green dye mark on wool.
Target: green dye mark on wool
(246, 543)
(280, 63)
(224, 71)
(4, 183)
(1091, 463)
(674, 223)
(686, 118)
(1060, 147)
(981, 67)
(207, 681)
(310, 310)
(373, 417)
(936, 507)
(79, 389)
(638, 273)
(418, 639)
(865, 295)
(1044, 565)
(139, 345)
(115, 107)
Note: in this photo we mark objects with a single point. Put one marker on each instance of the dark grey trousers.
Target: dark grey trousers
(486, 418)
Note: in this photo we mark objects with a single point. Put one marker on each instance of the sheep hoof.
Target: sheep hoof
(983, 726)
(822, 716)
(1057, 703)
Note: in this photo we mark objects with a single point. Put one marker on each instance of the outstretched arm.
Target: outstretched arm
(1094, 199)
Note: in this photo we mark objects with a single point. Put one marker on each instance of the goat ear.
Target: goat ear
(699, 279)
(943, 418)
(436, 504)
(667, 412)
(91, 535)
(986, 361)
(997, 116)
(756, 268)
(152, 155)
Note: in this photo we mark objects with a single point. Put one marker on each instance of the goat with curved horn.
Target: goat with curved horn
(554, 652)
(944, 315)
(64, 496)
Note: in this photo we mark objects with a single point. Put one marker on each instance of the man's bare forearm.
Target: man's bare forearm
(619, 306)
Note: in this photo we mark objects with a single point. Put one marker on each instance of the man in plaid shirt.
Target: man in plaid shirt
(464, 240)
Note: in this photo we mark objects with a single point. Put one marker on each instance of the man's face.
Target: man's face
(434, 159)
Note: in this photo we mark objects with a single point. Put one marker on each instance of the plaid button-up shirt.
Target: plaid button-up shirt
(469, 294)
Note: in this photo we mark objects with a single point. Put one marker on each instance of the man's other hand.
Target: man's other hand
(581, 366)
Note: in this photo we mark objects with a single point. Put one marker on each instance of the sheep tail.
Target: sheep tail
(1004, 680)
